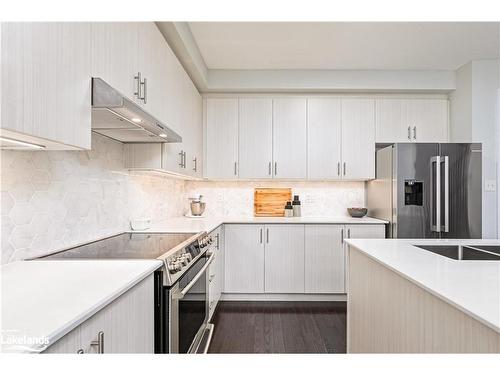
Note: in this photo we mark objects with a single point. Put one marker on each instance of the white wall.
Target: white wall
(473, 119)
(235, 198)
(461, 106)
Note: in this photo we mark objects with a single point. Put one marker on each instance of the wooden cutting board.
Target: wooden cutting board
(271, 201)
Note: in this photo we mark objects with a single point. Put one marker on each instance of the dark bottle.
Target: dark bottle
(296, 206)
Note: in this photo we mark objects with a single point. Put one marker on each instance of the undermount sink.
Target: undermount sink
(465, 252)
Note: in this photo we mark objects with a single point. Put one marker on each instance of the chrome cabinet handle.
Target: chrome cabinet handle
(269, 169)
(349, 233)
(342, 235)
(144, 84)
(99, 342)
(184, 159)
(137, 92)
(218, 241)
(415, 133)
(275, 168)
(235, 168)
(181, 154)
(267, 235)
(409, 133)
(344, 168)
(195, 164)
(338, 168)
(260, 235)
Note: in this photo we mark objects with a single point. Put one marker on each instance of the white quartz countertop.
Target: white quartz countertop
(472, 286)
(194, 225)
(47, 299)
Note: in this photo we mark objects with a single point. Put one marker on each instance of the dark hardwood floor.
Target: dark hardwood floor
(279, 327)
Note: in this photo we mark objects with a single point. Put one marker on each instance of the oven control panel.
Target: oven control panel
(181, 259)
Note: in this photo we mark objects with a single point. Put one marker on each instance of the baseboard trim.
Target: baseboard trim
(282, 297)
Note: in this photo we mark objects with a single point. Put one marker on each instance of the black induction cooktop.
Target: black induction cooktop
(124, 246)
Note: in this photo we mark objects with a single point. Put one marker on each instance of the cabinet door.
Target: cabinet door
(222, 138)
(255, 138)
(391, 121)
(192, 133)
(324, 138)
(115, 55)
(428, 119)
(324, 259)
(244, 259)
(45, 82)
(289, 138)
(358, 139)
(213, 281)
(284, 258)
(127, 323)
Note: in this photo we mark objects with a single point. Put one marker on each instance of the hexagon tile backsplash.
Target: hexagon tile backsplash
(54, 199)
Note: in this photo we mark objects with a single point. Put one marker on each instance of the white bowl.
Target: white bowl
(140, 224)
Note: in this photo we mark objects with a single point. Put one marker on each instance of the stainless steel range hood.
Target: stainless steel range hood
(119, 118)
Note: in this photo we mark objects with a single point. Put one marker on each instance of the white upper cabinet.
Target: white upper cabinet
(324, 138)
(45, 83)
(428, 120)
(412, 120)
(152, 66)
(255, 138)
(289, 138)
(358, 139)
(115, 47)
(391, 121)
(222, 138)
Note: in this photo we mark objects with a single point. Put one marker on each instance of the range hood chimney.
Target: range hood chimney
(119, 118)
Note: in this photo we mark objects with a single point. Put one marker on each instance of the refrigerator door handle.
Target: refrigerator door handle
(446, 161)
(436, 183)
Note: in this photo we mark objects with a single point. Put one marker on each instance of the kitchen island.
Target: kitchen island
(403, 298)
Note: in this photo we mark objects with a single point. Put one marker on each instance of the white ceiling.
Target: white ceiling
(336, 45)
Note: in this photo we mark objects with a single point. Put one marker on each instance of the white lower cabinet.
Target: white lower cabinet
(324, 259)
(244, 258)
(289, 258)
(126, 325)
(216, 271)
(284, 259)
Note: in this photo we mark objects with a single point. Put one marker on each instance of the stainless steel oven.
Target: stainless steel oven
(188, 310)
(181, 286)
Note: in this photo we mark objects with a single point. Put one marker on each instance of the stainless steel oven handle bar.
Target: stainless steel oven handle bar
(186, 289)
(210, 329)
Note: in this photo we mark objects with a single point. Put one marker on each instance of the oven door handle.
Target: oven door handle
(186, 289)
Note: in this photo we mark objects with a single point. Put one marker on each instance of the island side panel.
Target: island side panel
(387, 313)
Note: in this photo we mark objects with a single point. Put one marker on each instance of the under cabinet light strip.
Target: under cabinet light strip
(21, 143)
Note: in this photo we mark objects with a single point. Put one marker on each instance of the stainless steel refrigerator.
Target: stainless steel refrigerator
(428, 190)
